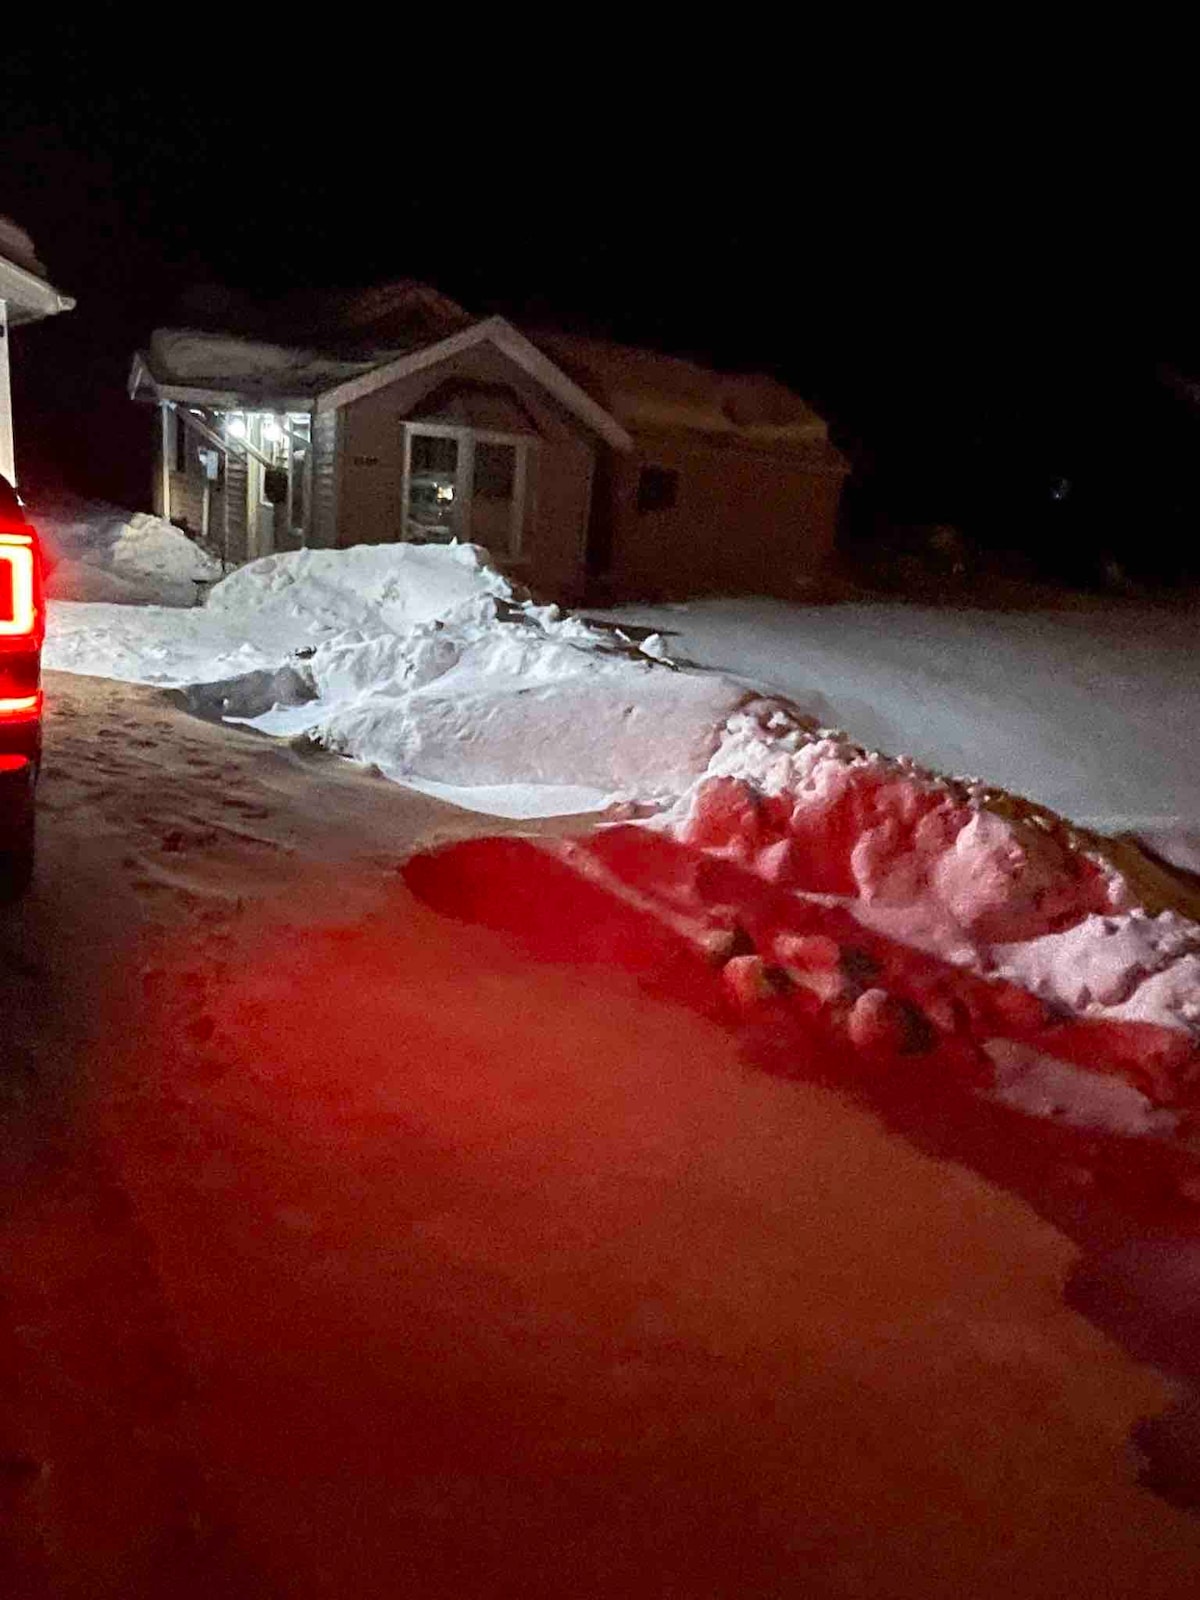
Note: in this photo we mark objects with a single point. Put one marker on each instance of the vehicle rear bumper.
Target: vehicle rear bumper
(20, 757)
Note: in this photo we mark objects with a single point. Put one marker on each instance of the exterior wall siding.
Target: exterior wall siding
(558, 487)
(236, 547)
(324, 527)
(187, 500)
(743, 520)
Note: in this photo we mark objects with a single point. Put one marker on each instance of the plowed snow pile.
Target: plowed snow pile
(99, 552)
(923, 861)
(423, 662)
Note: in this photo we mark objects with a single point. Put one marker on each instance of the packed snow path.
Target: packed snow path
(1092, 712)
(346, 1250)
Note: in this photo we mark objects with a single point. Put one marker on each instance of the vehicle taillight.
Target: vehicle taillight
(20, 600)
(22, 621)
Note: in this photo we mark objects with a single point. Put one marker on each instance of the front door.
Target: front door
(465, 483)
(436, 491)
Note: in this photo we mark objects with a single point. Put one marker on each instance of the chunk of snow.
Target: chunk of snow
(1043, 1087)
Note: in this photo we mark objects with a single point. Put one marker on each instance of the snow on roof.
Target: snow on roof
(644, 389)
(24, 289)
(16, 246)
(249, 368)
(344, 334)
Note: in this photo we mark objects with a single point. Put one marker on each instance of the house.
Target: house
(25, 296)
(582, 466)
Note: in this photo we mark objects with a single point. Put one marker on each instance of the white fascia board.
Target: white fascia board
(29, 297)
(501, 333)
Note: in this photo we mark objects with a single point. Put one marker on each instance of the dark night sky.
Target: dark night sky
(976, 321)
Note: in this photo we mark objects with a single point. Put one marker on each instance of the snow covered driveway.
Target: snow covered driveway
(344, 1250)
(424, 663)
(1094, 713)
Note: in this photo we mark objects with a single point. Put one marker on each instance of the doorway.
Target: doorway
(465, 484)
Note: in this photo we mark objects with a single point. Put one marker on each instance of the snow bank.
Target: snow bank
(98, 552)
(386, 589)
(923, 861)
(421, 661)
(1089, 711)
(147, 548)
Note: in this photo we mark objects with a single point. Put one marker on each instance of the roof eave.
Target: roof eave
(28, 297)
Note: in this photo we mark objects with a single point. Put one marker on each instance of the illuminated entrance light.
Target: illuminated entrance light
(235, 426)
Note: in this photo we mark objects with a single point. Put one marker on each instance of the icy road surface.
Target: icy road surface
(345, 1250)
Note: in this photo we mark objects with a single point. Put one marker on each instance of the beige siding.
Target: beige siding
(743, 520)
(326, 429)
(187, 500)
(558, 490)
(235, 509)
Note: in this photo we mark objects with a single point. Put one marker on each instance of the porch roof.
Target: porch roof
(224, 370)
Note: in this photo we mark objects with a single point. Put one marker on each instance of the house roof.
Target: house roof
(224, 370)
(23, 286)
(183, 364)
(645, 390)
(500, 333)
(356, 322)
(350, 344)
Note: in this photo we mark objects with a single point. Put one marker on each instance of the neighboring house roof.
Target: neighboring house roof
(23, 286)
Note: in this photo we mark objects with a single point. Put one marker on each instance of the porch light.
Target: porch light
(271, 429)
(235, 426)
(445, 491)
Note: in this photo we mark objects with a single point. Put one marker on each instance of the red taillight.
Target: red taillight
(20, 608)
(21, 623)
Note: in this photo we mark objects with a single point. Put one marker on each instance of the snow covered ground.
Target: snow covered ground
(1092, 712)
(98, 552)
(423, 663)
(346, 1250)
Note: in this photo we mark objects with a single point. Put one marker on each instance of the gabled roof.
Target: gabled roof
(615, 390)
(500, 333)
(221, 370)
